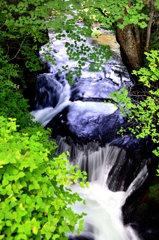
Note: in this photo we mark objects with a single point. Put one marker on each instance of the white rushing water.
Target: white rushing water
(45, 115)
(103, 206)
(103, 209)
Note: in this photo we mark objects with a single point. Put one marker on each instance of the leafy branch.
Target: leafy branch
(21, 44)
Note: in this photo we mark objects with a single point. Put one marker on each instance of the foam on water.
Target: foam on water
(103, 209)
(99, 107)
(103, 206)
(45, 115)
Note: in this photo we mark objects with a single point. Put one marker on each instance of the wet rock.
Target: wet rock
(50, 89)
(85, 125)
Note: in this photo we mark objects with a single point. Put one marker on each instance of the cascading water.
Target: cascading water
(104, 215)
(91, 121)
(103, 206)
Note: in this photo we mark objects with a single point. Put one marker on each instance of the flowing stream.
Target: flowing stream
(103, 206)
(104, 220)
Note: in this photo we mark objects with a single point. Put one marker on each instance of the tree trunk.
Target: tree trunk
(151, 15)
(129, 40)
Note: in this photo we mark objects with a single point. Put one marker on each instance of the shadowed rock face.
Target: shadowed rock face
(87, 126)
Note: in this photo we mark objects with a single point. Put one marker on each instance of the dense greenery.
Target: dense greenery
(134, 22)
(24, 145)
(35, 201)
(24, 27)
(142, 109)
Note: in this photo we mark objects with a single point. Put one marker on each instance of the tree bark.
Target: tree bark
(151, 15)
(129, 40)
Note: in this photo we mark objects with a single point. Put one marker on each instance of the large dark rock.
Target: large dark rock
(147, 229)
(85, 125)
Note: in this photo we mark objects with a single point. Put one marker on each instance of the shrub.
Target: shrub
(143, 114)
(35, 204)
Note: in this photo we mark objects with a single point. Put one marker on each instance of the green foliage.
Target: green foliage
(82, 53)
(114, 12)
(150, 74)
(35, 200)
(24, 25)
(18, 40)
(14, 105)
(79, 50)
(143, 115)
(149, 107)
(34, 192)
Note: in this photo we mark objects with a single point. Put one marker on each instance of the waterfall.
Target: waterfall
(43, 116)
(93, 124)
(103, 206)
(104, 216)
